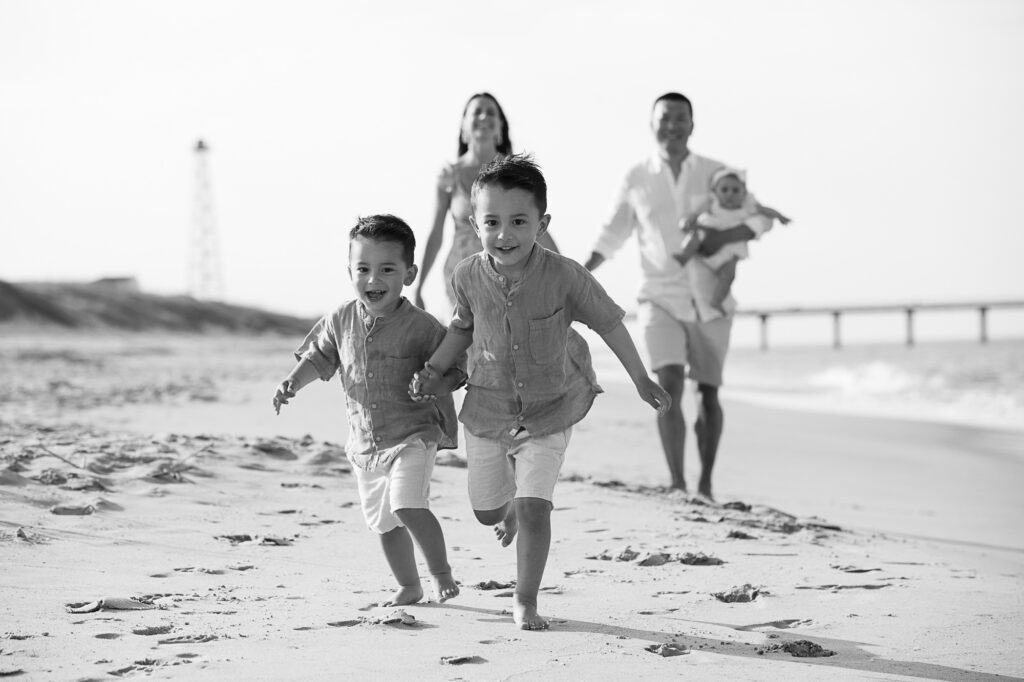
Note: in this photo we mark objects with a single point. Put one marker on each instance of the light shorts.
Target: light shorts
(402, 484)
(699, 346)
(526, 467)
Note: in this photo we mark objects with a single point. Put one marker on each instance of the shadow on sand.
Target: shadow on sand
(849, 654)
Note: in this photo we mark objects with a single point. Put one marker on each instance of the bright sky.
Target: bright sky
(889, 130)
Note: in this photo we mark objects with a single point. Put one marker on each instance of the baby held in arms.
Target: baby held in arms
(730, 205)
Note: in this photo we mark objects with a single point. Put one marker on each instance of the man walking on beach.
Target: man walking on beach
(684, 334)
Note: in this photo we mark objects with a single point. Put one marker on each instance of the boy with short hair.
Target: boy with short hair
(375, 343)
(730, 205)
(530, 375)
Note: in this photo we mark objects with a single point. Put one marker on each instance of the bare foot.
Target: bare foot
(706, 497)
(704, 488)
(445, 586)
(408, 594)
(524, 613)
(506, 530)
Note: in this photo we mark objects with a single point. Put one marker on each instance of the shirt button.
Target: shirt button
(501, 279)
(369, 374)
(377, 439)
(509, 304)
(369, 339)
(520, 417)
(515, 346)
(373, 406)
(520, 384)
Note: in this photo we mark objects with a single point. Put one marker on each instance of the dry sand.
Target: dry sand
(893, 544)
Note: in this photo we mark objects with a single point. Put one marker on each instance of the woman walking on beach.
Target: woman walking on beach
(483, 137)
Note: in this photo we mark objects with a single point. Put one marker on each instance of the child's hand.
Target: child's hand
(426, 384)
(285, 392)
(654, 395)
(689, 224)
(772, 213)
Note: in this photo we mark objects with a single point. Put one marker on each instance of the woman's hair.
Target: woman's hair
(505, 148)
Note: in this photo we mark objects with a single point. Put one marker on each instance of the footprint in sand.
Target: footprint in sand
(494, 585)
(109, 604)
(667, 649)
(836, 588)
(853, 569)
(778, 624)
(188, 639)
(153, 630)
(343, 623)
(801, 648)
(700, 559)
(462, 660)
(740, 535)
(742, 594)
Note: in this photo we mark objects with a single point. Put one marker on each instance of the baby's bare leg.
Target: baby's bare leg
(690, 245)
(427, 533)
(724, 277)
(534, 515)
(397, 546)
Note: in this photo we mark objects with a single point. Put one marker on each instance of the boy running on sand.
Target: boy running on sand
(375, 343)
(530, 376)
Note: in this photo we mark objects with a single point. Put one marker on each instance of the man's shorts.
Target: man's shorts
(404, 483)
(699, 346)
(526, 467)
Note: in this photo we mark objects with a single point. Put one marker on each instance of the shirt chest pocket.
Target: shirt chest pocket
(548, 338)
(398, 373)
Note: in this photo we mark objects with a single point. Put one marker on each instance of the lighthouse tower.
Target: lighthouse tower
(205, 280)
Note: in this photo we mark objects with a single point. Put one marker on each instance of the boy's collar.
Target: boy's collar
(536, 255)
(368, 318)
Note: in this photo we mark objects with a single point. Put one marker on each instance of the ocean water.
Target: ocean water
(962, 382)
(956, 382)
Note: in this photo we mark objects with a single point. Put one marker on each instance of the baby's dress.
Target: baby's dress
(718, 218)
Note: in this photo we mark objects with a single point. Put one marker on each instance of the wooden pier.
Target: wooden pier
(907, 310)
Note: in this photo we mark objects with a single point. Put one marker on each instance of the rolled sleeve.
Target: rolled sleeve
(462, 316)
(592, 305)
(320, 348)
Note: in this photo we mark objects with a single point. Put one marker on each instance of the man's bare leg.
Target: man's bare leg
(708, 429)
(398, 550)
(427, 533)
(671, 424)
(534, 516)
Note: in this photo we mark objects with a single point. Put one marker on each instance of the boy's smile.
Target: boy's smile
(378, 271)
(508, 223)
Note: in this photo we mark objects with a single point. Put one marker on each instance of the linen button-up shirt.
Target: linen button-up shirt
(652, 202)
(527, 367)
(376, 358)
